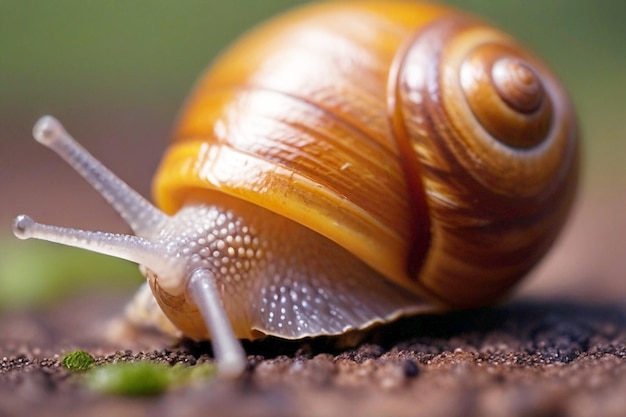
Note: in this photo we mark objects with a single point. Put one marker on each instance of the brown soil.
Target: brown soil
(525, 358)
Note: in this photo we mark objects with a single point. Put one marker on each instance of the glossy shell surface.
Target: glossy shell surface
(362, 122)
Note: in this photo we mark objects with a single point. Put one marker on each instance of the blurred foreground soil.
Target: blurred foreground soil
(524, 358)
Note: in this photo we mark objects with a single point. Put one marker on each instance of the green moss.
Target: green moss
(78, 361)
(130, 379)
(137, 379)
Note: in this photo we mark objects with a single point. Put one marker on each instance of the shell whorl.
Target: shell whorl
(495, 141)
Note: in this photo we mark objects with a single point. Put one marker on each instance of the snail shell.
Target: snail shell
(342, 165)
(434, 148)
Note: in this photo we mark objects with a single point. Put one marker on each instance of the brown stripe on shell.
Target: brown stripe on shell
(495, 208)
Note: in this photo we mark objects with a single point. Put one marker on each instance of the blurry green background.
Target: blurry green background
(116, 73)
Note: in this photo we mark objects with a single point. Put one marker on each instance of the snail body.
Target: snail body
(342, 165)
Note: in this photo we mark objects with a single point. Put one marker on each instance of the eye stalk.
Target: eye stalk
(164, 257)
(137, 212)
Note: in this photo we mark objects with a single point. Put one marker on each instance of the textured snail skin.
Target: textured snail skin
(384, 127)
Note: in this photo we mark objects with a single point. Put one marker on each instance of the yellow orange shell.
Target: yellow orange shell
(314, 116)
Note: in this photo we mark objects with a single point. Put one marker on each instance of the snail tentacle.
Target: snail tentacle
(143, 217)
(131, 248)
(229, 354)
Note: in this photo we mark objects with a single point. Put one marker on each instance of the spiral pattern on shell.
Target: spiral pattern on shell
(495, 141)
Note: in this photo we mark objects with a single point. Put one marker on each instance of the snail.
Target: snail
(342, 165)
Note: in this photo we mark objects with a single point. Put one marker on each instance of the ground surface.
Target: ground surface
(524, 358)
